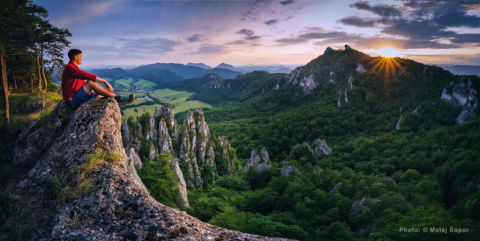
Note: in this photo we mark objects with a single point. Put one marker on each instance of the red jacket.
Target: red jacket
(73, 79)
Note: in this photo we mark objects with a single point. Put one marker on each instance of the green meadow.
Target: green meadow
(179, 100)
(123, 82)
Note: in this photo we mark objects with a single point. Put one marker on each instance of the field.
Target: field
(123, 82)
(144, 84)
(179, 100)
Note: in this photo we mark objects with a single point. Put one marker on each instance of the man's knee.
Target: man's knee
(89, 86)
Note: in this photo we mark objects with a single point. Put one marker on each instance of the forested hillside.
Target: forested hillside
(404, 151)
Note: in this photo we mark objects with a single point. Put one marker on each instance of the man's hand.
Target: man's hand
(109, 87)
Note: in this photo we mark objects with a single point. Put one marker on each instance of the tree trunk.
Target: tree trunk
(43, 73)
(31, 82)
(39, 74)
(5, 86)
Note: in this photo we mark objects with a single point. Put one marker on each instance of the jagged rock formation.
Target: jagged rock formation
(260, 162)
(464, 95)
(321, 148)
(288, 170)
(82, 175)
(335, 189)
(304, 145)
(358, 204)
(133, 156)
(194, 145)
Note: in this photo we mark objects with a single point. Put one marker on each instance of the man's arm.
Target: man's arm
(80, 74)
(110, 88)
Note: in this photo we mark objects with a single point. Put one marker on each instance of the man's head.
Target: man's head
(75, 55)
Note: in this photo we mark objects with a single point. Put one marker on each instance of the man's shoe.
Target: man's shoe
(122, 99)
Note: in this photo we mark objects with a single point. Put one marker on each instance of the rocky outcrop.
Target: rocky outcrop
(228, 157)
(321, 148)
(92, 192)
(167, 114)
(182, 186)
(399, 123)
(194, 146)
(304, 145)
(134, 158)
(464, 95)
(358, 204)
(299, 77)
(334, 189)
(164, 139)
(260, 162)
(289, 170)
(360, 69)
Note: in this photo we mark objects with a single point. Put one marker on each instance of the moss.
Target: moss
(71, 184)
(76, 222)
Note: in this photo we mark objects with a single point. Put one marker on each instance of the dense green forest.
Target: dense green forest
(377, 180)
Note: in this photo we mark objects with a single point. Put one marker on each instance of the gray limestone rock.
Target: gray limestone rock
(320, 148)
(360, 69)
(399, 122)
(125, 131)
(358, 204)
(231, 161)
(335, 189)
(464, 95)
(304, 144)
(153, 151)
(264, 154)
(134, 158)
(260, 162)
(116, 206)
(164, 139)
(288, 170)
(182, 186)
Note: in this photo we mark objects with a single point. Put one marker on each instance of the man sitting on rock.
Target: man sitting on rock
(75, 90)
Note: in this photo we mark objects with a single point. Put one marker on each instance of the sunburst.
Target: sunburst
(387, 66)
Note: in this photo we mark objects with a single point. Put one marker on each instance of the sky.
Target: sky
(260, 32)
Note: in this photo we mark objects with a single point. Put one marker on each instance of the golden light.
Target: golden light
(387, 66)
(388, 52)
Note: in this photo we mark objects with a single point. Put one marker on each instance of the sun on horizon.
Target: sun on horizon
(388, 52)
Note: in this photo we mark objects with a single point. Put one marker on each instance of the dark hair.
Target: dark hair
(73, 52)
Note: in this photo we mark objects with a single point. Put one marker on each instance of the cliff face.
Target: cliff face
(81, 174)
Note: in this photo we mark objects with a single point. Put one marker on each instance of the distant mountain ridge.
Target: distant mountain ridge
(462, 69)
(163, 74)
(200, 65)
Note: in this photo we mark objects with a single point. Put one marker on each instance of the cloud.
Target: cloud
(237, 42)
(325, 37)
(420, 24)
(195, 38)
(379, 9)
(86, 10)
(358, 22)
(307, 36)
(211, 49)
(157, 45)
(271, 21)
(249, 34)
(287, 2)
